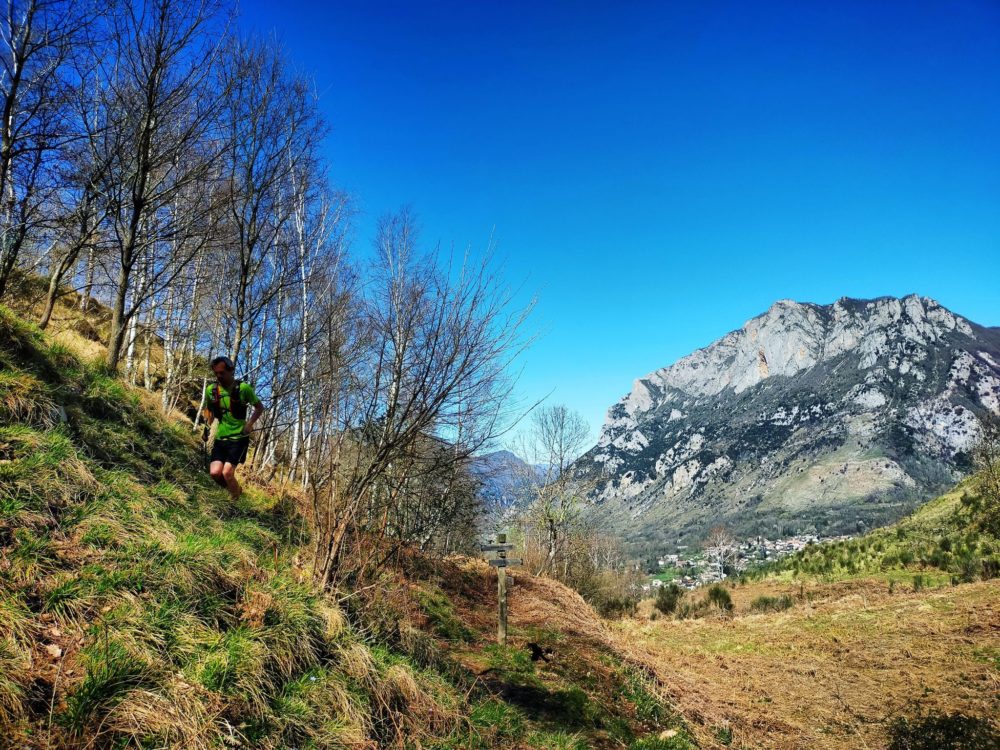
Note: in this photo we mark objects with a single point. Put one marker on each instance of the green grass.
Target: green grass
(679, 741)
(440, 613)
(112, 673)
(771, 603)
(556, 741)
(188, 620)
(667, 575)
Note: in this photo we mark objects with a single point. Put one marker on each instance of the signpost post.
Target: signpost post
(500, 563)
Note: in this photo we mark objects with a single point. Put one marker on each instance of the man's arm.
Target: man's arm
(258, 409)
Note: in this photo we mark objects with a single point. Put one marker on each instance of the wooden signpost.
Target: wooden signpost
(500, 563)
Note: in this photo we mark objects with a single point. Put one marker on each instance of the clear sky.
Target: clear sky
(657, 173)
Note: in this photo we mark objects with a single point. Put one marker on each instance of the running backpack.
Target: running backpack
(236, 405)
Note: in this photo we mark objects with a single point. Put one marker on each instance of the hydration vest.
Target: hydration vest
(236, 405)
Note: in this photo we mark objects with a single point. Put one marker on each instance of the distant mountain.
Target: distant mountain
(809, 417)
(504, 477)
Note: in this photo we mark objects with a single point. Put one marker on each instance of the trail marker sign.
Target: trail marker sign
(496, 547)
(500, 563)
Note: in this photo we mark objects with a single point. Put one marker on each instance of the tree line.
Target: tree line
(163, 164)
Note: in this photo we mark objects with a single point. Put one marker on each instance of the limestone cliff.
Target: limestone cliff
(830, 417)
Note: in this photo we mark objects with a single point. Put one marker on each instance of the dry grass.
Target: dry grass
(832, 671)
(140, 607)
(542, 602)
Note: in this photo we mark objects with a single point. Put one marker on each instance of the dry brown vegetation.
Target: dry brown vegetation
(834, 670)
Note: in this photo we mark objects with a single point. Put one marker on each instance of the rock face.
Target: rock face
(808, 417)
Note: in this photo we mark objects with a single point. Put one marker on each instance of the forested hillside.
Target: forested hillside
(164, 171)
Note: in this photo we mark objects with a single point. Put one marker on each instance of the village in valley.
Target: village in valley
(716, 563)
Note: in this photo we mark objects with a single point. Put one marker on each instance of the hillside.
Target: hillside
(944, 540)
(840, 668)
(823, 418)
(878, 641)
(140, 608)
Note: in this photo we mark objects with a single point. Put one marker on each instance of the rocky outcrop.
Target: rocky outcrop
(809, 416)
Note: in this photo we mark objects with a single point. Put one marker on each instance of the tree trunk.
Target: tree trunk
(116, 338)
(88, 285)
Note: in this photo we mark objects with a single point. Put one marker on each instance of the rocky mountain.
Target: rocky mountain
(809, 417)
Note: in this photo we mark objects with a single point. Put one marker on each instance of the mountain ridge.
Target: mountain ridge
(887, 392)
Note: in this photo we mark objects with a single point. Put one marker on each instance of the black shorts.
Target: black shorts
(231, 451)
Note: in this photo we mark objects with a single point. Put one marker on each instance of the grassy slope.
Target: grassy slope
(833, 671)
(940, 541)
(902, 622)
(139, 607)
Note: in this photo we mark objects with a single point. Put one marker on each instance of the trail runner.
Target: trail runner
(227, 401)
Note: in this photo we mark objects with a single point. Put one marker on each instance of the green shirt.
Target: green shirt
(230, 428)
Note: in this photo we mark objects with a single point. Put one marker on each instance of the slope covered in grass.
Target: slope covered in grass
(944, 540)
(841, 668)
(140, 607)
(888, 640)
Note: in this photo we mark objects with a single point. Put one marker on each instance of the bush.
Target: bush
(720, 597)
(692, 610)
(918, 582)
(616, 608)
(668, 597)
(942, 732)
(771, 603)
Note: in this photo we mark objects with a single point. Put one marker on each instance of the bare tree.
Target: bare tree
(556, 438)
(271, 130)
(421, 383)
(78, 208)
(38, 37)
(157, 88)
(720, 546)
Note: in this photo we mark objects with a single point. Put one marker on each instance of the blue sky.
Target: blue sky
(657, 173)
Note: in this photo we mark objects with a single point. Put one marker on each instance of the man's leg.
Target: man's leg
(216, 471)
(229, 472)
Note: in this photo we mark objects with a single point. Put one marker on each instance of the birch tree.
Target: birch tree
(37, 38)
(157, 87)
(271, 128)
(427, 360)
(556, 437)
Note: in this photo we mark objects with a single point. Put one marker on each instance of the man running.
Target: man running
(227, 401)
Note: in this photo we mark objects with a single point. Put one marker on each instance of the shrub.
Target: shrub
(616, 607)
(771, 603)
(668, 597)
(720, 597)
(942, 732)
(692, 610)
